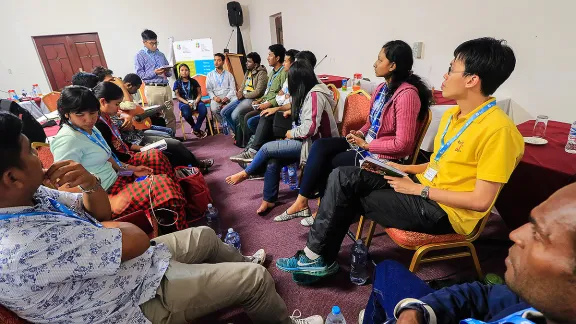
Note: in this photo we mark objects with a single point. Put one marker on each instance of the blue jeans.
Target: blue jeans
(392, 283)
(187, 113)
(274, 155)
(232, 111)
(159, 131)
(253, 123)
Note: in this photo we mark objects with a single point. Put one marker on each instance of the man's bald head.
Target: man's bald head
(541, 265)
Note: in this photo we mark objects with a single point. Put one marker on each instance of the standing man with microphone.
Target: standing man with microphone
(152, 67)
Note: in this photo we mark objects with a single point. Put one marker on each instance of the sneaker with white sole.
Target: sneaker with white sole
(296, 319)
(301, 264)
(361, 316)
(308, 221)
(259, 257)
(245, 156)
(285, 216)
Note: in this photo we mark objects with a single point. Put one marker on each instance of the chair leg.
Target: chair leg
(476, 261)
(209, 122)
(418, 255)
(182, 126)
(360, 228)
(370, 233)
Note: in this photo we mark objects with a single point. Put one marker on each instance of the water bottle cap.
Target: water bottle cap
(209, 205)
(230, 230)
(335, 310)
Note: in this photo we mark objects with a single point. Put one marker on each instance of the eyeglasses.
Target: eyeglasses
(450, 70)
(153, 43)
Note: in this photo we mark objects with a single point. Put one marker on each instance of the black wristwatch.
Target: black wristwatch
(425, 192)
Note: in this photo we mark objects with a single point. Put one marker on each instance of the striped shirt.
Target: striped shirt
(146, 62)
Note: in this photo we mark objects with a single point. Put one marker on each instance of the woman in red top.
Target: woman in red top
(397, 108)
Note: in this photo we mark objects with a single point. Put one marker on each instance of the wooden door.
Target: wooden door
(63, 56)
(279, 30)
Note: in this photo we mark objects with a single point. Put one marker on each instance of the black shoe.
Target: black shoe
(181, 139)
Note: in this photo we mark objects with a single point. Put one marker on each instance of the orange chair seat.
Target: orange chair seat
(414, 240)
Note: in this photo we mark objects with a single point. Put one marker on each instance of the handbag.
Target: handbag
(195, 190)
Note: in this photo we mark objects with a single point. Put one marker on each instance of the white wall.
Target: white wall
(118, 23)
(351, 33)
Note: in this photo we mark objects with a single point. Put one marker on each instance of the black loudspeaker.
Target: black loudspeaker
(235, 15)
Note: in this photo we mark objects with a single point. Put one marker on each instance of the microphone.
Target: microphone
(48, 123)
(226, 50)
(322, 60)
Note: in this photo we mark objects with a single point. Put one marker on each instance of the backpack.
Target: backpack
(30, 126)
(195, 191)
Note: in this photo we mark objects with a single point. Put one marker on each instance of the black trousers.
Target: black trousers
(352, 192)
(243, 133)
(176, 152)
(270, 128)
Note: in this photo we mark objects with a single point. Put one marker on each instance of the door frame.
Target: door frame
(73, 57)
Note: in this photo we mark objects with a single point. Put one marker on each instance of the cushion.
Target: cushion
(7, 317)
(415, 239)
(45, 156)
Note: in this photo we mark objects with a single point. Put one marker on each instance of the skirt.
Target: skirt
(153, 159)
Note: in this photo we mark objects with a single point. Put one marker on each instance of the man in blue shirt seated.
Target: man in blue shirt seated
(63, 261)
(540, 277)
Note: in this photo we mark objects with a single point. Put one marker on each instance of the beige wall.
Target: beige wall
(117, 22)
(351, 33)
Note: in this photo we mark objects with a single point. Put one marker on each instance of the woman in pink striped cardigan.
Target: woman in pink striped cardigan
(398, 106)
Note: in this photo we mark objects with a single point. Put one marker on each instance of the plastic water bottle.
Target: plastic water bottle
(359, 264)
(233, 239)
(24, 93)
(571, 145)
(335, 317)
(292, 176)
(225, 127)
(284, 174)
(12, 95)
(36, 90)
(213, 221)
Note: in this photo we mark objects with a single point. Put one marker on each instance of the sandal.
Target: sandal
(200, 134)
(206, 163)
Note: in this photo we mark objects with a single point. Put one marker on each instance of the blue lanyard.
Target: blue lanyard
(115, 131)
(444, 146)
(221, 79)
(152, 57)
(186, 92)
(274, 76)
(100, 142)
(64, 211)
(380, 100)
(515, 318)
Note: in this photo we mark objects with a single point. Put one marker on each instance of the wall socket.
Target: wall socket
(417, 49)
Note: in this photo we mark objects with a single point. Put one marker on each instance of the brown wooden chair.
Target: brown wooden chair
(356, 111)
(206, 100)
(51, 100)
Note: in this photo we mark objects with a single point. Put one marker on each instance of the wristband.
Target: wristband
(93, 189)
(415, 304)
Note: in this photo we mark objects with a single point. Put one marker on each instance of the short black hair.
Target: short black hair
(101, 72)
(133, 79)
(148, 35)
(307, 56)
(221, 56)
(292, 53)
(492, 60)
(88, 80)
(76, 99)
(10, 146)
(278, 50)
(255, 57)
(108, 91)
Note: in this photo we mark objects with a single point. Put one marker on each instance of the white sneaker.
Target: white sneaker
(316, 319)
(259, 257)
(361, 316)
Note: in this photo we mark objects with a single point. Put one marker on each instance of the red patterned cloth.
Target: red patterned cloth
(153, 159)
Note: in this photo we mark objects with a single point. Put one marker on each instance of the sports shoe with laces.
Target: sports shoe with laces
(316, 319)
(244, 156)
(301, 264)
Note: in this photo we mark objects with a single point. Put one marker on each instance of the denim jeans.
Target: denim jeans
(252, 123)
(187, 113)
(232, 112)
(392, 283)
(274, 155)
(159, 131)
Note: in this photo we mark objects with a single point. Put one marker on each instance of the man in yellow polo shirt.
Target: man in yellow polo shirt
(475, 152)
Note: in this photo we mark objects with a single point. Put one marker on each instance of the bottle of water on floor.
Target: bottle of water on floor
(293, 176)
(359, 264)
(335, 317)
(284, 174)
(225, 127)
(571, 145)
(213, 221)
(233, 239)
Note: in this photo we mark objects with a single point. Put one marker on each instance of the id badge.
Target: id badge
(125, 173)
(431, 171)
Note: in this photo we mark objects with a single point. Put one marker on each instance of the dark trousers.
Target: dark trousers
(325, 155)
(176, 152)
(269, 128)
(352, 192)
(243, 133)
